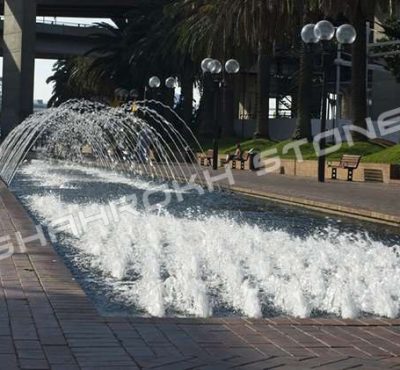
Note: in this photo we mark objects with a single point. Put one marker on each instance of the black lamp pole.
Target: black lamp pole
(324, 110)
(312, 34)
(216, 124)
(213, 69)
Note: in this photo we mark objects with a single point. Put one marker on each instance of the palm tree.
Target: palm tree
(304, 14)
(158, 52)
(142, 45)
(76, 78)
(261, 23)
(359, 12)
(60, 78)
(195, 37)
(251, 25)
(111, 56)
(363, 11)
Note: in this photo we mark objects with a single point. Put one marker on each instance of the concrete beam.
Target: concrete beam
(55, 41)
(19, 62)
(83, 8)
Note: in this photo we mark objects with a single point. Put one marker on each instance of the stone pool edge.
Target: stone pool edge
(324, 207)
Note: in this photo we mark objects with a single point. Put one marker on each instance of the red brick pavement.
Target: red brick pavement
(47, 322)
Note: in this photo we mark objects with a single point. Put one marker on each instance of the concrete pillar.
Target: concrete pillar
(19, 62)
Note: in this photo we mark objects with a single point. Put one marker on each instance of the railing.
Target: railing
(56, 22)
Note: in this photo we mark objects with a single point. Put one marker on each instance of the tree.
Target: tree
(158, 51)
(392, 30)
(142, 45)
(304, 14)
(62, 91)
(112, 55)
(248, 25)
(75, 78)
(359, 12)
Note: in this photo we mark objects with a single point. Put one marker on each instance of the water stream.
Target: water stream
(211, 255)
(130, 138)
(141, 246)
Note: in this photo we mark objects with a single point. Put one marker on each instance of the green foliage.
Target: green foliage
(392, 30)
(259, 145)
(389, 155)
(75, 77)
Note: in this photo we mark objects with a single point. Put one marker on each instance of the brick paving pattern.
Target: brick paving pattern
(47, 322)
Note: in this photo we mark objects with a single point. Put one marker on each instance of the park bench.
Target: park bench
(349, 163)
(87, 150)
(206, 158)
(246, 158)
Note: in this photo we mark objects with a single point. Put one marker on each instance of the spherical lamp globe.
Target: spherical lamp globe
(170, 82)
(346, 34)
(215, 66)
(205, 65)
(154, 82)
(324, 30)
(232, 66)
(124, 94)
(308, 34)
(134, 94)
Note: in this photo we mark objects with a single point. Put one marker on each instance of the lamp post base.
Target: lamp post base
(215, 154)
(321, 168)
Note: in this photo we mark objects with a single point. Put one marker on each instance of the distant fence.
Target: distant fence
(65, 24)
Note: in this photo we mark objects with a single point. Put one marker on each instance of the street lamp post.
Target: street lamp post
(215, 68)
(121, 95)
(134, 95)
(324, 32)
(155, 83)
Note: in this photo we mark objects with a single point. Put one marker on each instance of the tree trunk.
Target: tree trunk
(187, 92)
(207, 107)
(305, 78)
(263, 90)
(168, 96)
(303, 129)
(228, 112)
(393, 8)
(359, 73)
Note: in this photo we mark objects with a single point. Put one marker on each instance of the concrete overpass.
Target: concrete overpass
(59, 40)
(78, 8)
(20, 43)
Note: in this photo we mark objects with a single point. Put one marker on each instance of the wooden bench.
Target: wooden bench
(206, 158)
(246, 157)
(349, 163)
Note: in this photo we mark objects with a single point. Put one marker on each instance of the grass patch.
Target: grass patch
(389, 155)
(259, 145)
(371, 152)
(308, 150)
(228, 145)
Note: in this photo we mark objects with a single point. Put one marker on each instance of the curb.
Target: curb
(360, 214)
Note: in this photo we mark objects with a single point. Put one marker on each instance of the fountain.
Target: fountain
(216, 254)
(119, 138)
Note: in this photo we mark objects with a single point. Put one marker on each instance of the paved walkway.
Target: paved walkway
(375, 202)
(47, 322)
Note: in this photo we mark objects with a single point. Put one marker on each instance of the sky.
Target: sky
(43, 67)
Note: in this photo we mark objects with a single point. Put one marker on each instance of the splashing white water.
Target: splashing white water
(117, 138)
(192, 265)
(56, 175)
